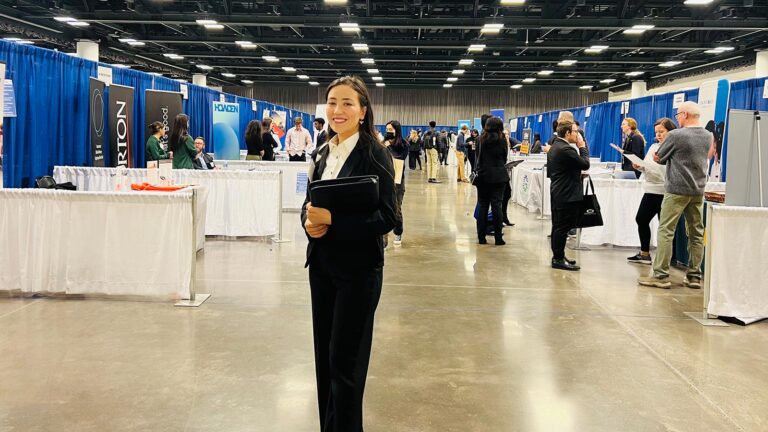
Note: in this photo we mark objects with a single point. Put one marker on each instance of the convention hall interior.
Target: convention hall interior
(383, 215)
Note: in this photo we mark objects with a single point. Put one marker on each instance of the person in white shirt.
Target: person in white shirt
(297, 141)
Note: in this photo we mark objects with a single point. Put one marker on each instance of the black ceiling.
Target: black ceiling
(414, 43)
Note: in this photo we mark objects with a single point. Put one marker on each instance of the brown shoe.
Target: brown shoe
(656, 282)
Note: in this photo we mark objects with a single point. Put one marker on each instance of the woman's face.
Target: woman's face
(625, 127)
(344, 111)
(661, 133)
(390, 129)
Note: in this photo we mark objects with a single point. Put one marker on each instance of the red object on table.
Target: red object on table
(149, 187)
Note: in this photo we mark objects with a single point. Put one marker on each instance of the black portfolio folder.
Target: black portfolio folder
(346, 194)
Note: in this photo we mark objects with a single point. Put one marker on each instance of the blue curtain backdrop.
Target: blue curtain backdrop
(52, 104)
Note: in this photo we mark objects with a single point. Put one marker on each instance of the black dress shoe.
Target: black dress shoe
(482, 241)
(570, 261)
(500, 242)
(564, 265)
(508, 223)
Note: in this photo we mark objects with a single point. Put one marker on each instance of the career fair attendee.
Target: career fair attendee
(297, 141)
(564, 167)
(430, 140)
(182, 145)
(254, 141)
(414, 156)
(321, 136)
(394, 141)
(491, 178)
(154, 151)
(536, 146)
(461, 153)
(684, 152)
(268, 141)
(634, 143)
(345, 256)
(653, 184)
(202, 161)
(472, 148)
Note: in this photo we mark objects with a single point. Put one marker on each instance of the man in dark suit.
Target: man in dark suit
(202, 161)
(564, 167)
(321, 136)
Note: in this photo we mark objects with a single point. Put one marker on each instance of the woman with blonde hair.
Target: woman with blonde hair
(634, 143)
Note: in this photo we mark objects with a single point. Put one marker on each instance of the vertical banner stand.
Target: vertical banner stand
(195, 300)
(279, 237)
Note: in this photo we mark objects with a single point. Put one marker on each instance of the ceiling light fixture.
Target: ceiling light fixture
(314, 83)
(512, 2)
(458, 72)
(380, 85)
(452, 79)
(360, 46)
(670, 64)
(246, 81)
(19, 41)
(136, 43)
(373, 71)
(127, 40)
(567, 62)
(64, 19)
(304, 77)
(173, 56)
(596, 49)
(206, 21)
(270, 58)
(517, 86)
(78, 23)
(335, 2)
(608, 81)
(529, 80)
(476, 47)
(634, 74)
(698, 2)
(492, 28)
(719, 50)
(349, 27)
(289, 69)
(447, 85)
(205, 67)
(121, 66)
(639, 29)
(546, 72)
(586, 87)
(228, 75)
(368, 60)
(214, 26)
(465, 62)
(377, 78)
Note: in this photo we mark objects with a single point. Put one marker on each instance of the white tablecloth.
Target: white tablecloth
(737, 242)
(125, 243)
(240, 203)
(294, 185)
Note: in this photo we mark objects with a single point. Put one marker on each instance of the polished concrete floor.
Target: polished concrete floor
(468, 338)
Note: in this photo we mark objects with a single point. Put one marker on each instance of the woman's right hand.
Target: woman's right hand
(315, 231)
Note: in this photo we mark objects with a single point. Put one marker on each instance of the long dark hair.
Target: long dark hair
(179, 131)
(493, 131)
(368, 133)
(253, 132)
(156, 127)
(398, 141)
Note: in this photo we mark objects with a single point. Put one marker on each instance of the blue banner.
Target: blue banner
(226, 130)
(478, 125)
(498, 113)
(465, 122)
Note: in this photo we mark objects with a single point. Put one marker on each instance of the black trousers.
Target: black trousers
(443, 156)
(505, 201)
(298, 158)
(564, 218)
(650, 206)
(343, 309)
(471, 157)
(413, 157)
(399, 193)
(490, 195)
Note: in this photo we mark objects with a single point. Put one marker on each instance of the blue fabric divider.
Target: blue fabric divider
(52, 123)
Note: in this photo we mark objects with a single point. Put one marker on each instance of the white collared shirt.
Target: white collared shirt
(337, 155)
(297, 141)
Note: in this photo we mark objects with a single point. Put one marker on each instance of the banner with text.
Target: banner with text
(713, 102)
(97, 121)
(226, 130)
(162, 106)
(121, 125)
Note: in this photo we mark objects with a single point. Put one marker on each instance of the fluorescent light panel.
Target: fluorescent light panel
(634, 74)
(512, 2)
(314, 83)
(360, 46)
(206, 21)
(64, 19)
(373, 71)
(246, 82)
(289, 69)
(214, 26)
(270, 58)
(546, 72)
(517, 86)
(205, 67)
(78, 24)
(228, 75)
(698, 2)
(458, 72)
(304, 77)
(567, 62)
(368, 60)
(596, 49)
(586, 87)
(349, 27)
(447, 85)
(377, 78)
(670, 64)
(465, 62)
(380, 85)
(608, 81)
(452, 79)
(529, 80)
(492, 28)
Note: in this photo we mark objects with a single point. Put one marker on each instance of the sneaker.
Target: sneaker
(692, 282)
(640, 259)
(398, 240)
(653, 281)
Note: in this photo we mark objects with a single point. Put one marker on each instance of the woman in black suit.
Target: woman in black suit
(254, 141)
(345, 256)
(491, 178)
(633, 144)
(268, 143)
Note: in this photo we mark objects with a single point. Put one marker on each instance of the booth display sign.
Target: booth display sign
(97, 123)
(104, 74)
(478, 124)
(121, 125)
(513, 125)
(525, 147)
(498, 113)
(589, 112)
(2, 81)
(184, 90)
(161, 106)
(226, 130)
(679, 98)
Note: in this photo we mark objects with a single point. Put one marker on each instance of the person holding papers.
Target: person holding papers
(345, 255)
(634, 143)
(394, 141)
(653, 183)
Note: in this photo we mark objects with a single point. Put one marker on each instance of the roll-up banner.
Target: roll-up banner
(713, 102)
(97, 122)
(121, 125)
(226, 130)
(162, 106)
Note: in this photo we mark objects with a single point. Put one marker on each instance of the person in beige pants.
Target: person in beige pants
(461, 148)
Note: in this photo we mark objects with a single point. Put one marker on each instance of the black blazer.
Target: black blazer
(536, 147)
(354, 243)
(490, 164)
(255, 145)
(564, 167)
(634, 144)
(208, 162)
(322, 138)
(269, 145)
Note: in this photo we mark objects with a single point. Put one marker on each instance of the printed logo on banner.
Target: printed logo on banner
(526, 183)
(97, 121)
(161, 106)
(226, 130)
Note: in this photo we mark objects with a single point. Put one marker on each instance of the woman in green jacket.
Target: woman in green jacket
(154, 150)
(182, 145)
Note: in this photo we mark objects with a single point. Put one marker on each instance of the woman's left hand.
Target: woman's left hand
(318, 216)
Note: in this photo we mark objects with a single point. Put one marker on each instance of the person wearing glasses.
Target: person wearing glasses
(684, 153)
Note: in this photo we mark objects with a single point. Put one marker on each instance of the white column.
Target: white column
(762, 64)
(199, 79)
(88, 50)
(639, 89)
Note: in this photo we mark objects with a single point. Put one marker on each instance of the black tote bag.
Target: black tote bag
(589, 210)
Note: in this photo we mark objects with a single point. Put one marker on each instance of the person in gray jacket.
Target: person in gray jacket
(685, 155)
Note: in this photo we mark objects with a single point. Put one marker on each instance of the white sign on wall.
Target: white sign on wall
(679, 99)
(765, 90)
(589, 111)
(104, 75)
(184, 91)
(541, 117)
(513, 125)
(253, 106)
(625, 107)
(222, 98)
